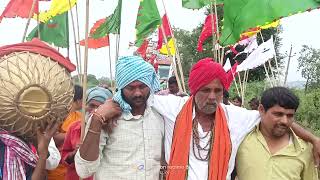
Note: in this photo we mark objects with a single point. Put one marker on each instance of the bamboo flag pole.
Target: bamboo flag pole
(171, 59)
(75, 41)
(110, 67)
(213, 35)
(235, 82)
(78, 40)
(217, 27)
(176, 48)
(85, 71)
(271, 69)
(29, 19)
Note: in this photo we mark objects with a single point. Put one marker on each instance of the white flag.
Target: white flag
(259, 56)
(227, 65)
(252, 45)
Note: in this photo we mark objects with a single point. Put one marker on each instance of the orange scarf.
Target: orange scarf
(180, 148)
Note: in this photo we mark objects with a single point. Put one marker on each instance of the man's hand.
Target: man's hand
(109, 110)
(316, 151)
(44, 137)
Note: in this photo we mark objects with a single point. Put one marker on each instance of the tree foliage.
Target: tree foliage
(309, 64)
(92, 81)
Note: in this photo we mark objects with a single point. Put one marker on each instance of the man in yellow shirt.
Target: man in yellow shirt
(272, 151)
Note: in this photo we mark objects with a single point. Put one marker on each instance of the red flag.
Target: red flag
(20, 8)
(142, 50)
(167, 30)
(206, 31)
(96, 43)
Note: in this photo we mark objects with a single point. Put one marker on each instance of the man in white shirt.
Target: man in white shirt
(133, 149)
(201, 134)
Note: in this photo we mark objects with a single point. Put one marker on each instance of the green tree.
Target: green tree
(309, 64)
(91, 80)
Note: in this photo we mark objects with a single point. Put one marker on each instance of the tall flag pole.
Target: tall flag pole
(79, 49)
(85, 71)
(171, 59)
(34, 3)
(177, 51)
(75, 41)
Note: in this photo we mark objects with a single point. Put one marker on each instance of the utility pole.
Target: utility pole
(286, 75)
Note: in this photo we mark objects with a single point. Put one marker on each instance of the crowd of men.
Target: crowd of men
(143, 133)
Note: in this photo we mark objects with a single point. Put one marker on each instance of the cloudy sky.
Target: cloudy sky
(298, 30)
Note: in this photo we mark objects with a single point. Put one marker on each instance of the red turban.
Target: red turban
(205, 71)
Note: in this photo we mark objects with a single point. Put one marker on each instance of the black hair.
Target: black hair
(279, 96)
(172, 80)
(238, 98)
(78, 93)
(254, 100)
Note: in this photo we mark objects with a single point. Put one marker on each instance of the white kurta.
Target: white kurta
(240, 122)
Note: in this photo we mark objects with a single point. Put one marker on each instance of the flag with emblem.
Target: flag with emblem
(112, 26)
(55, 31)
(148, 19)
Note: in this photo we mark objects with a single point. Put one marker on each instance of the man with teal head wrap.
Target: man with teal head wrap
(133, 149)
(130, 69)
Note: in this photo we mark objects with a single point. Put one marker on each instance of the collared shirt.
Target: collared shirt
(240, 122)
(293, 162)
(131, 151)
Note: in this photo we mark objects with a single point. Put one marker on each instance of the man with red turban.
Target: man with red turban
(202, 135)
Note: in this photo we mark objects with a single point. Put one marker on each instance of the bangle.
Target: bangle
(99, 118)
(93, 132)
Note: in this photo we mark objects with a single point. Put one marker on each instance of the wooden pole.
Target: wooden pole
(29, 19)
(172, 60)
(110, 67)
(75, 41)
(177, 50)
(271, 69)
(215, 56)
(78, 40)
(85, 71)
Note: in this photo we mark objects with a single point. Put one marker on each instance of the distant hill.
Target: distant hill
(296, 84)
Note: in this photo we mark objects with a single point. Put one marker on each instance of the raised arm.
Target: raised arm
(309, 137)
(43, 140)
(87, 158)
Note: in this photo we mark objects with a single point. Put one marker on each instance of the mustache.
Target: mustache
(138, 98)
(281, 126)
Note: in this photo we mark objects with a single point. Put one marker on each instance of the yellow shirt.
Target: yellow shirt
(293, 162)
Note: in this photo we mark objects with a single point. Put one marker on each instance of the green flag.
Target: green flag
(148, 20)
(55, 31)
(110, 26)
(197, 4)
(239, 16)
